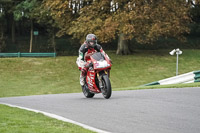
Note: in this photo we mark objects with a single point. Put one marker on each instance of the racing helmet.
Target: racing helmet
(91, 40)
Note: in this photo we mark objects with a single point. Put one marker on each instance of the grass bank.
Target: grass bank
(34, 76)
(14, 120)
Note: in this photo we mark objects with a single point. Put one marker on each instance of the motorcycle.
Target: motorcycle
(97, 79)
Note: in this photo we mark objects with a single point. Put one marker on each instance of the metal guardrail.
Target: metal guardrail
(27, 54)
(190, 77)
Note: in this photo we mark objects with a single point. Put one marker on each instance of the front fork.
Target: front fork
(100, 78)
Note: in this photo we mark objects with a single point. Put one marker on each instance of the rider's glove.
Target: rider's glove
(80, 63)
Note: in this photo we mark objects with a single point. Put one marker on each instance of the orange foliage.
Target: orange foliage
(144, 21)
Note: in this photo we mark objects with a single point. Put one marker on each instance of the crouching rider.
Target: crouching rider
(89, 47)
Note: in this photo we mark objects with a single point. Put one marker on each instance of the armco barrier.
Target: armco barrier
(27, 54)
(183, 78)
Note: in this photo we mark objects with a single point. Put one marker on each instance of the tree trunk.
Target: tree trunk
(2, 38)
(53, 40)
(123, 46)
(31, 40)
(1, 30)
(13, 31)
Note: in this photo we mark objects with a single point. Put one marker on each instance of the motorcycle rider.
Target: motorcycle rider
(87, 48)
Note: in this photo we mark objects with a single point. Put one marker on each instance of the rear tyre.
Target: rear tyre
(86, 92)
(106, 90)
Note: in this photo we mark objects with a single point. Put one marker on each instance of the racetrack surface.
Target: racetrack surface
(154, 110)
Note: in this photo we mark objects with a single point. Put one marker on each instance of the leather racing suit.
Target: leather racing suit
(84, 52)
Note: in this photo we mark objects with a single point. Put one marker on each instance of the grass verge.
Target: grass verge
(161, 86)
(35, 76)
(14, 120)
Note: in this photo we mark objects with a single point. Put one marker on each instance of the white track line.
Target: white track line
(58, 118)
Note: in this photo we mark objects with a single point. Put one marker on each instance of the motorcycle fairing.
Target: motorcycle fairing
(90, 79)
(100, 62)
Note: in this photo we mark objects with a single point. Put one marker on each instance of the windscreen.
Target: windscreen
(98, 56)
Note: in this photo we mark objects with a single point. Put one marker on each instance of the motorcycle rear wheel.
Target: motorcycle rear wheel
(107, 90)
(86, 92)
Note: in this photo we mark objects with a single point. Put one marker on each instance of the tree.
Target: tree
(2, 38)
(145, 21)
(62, 14)
(7, 7)
(26, 9)
(44, 18)
(195, 15)
(2, 24)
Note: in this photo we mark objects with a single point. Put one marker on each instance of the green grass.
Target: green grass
(14, 120)
(161, 86)
(147, 66)
(34, 76)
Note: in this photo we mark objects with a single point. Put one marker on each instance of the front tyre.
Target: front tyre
(86, 92)
(106, 90)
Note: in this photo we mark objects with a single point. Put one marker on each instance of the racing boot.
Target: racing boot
(82, 76)
(82, 80)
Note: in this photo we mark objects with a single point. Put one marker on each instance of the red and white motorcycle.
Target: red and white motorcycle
(97, 79)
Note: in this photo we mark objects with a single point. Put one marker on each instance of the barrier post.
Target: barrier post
(18, 55)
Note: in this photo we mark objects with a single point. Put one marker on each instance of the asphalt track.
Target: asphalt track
(139, 111)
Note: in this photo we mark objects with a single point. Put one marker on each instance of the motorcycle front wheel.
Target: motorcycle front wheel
(106, 90)
(86, 92)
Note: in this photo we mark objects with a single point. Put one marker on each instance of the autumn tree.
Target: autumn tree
(61, 12)
(44, 18)
(145, 21)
